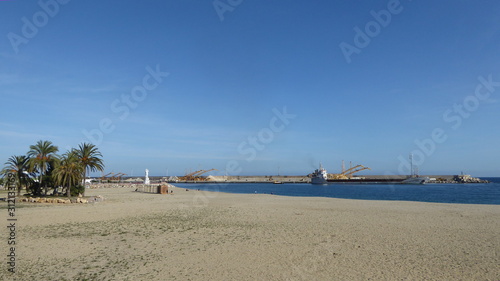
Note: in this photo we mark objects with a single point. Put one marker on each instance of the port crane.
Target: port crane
(117, 177)
(359, 169)
(347, 174)
(189, 176)
(195, 176)
(105, 176)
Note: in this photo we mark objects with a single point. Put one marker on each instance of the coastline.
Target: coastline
(201, 235)
(383, 179)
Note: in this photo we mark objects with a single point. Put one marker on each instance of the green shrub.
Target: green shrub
(35, 189)
(75, 190)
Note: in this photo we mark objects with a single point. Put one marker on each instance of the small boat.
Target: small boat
(319, 176)
(416, 180)
(277, 182)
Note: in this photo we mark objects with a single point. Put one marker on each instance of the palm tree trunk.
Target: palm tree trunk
(84, 177)
(41, 177)
(19, 185)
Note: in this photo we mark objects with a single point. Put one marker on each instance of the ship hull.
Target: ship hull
(416, 180)
(318, 180)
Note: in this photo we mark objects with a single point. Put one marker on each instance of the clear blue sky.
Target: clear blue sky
(411, 75)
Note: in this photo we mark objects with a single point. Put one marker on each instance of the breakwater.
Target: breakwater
(155, 180)
(357, 179)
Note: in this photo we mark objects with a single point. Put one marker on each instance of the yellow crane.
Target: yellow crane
(105, 176)
(117, 177)
(203, 171)
(198, 175)
(189, 176)
(347, 174)
(195, 176)
(361, 168)
(351, 169)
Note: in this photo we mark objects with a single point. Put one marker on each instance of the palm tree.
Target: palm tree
(90, 158)
(69, 170)
(41, 155)
(18, 165)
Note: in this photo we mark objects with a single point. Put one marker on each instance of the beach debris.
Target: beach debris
(95, 199)
(62, 200)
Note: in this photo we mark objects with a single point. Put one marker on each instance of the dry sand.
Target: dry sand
(196, 235)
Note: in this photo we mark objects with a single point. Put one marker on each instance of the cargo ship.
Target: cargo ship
(319, 176)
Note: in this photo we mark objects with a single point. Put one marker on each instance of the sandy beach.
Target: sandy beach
(196, 235)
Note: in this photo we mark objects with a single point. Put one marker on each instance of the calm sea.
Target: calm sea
(440, 193)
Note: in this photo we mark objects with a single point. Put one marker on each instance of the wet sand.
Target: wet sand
(197, 235)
